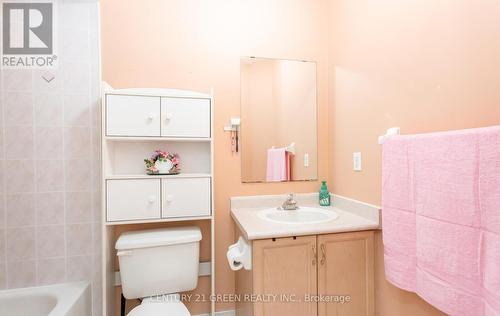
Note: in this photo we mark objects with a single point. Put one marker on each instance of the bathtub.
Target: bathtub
(68, 299)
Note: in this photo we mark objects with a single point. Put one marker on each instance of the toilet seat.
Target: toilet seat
(160, 309)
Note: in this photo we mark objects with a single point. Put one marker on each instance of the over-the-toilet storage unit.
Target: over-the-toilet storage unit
(135, 122)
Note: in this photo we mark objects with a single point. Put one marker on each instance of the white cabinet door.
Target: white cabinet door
(132, 199)
(184, 117)
(129, 115)
(186, 197)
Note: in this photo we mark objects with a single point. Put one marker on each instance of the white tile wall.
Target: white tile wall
(49, 162)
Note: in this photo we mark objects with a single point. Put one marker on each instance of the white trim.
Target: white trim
(204, 269)
(156, 139)
(175, 93)
(159, 176)
(161, 220)
(212, 221)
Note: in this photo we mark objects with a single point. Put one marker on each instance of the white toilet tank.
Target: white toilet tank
(158, 261)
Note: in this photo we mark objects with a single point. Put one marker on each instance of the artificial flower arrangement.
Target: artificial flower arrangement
(162, 162)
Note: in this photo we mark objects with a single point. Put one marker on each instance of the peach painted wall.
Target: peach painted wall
(423, 65)
(196, 45)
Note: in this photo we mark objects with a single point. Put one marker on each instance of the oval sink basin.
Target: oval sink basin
(302, 215)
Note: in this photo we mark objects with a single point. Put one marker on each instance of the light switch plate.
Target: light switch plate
(306, 160)
(356, 161)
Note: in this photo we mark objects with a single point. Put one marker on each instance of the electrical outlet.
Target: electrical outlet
(356, 161)
(306, 160)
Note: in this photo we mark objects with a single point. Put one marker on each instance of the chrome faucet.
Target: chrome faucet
(290, 204)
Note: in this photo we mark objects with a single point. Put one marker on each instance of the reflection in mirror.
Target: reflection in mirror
(278, 120)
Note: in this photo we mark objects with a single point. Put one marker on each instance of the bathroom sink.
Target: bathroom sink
(302, 215)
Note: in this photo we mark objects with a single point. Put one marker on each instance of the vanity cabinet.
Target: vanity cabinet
(346, 267)
(325, 267)
(285, 267)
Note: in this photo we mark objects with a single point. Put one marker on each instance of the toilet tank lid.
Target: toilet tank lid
(158, 237)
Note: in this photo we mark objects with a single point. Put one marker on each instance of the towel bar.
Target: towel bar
(390, 132)
(290, 149)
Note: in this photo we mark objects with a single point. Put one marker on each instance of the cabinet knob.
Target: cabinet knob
(169, 198)
(168, 116)
(152, 199)
(151, 116)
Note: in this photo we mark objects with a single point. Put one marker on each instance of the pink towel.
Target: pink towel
(441, 218)
(278, 165)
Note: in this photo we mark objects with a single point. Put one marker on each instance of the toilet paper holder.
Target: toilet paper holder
(239, 255)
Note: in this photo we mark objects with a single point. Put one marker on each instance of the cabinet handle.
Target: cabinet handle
(323, 254)
(168, 116)
(152, 199)
(315, 255)
(151, 116)
(169, 198)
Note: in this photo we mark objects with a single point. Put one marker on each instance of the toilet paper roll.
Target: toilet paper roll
(233, 258)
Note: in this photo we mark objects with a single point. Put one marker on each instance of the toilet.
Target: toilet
(157, 264)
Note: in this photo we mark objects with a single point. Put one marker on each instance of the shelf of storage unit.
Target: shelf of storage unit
(156, 139)
(162, 176)
(161, 220)
(126, 187)
(127, 157)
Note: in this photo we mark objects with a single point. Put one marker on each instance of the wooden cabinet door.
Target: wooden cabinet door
(287, 268)
(345, 268)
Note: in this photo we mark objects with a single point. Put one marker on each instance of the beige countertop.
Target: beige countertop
(352, 216)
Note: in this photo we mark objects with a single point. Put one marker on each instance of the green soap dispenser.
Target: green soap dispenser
(324, 195)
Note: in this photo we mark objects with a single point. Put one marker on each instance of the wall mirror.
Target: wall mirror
(278, 120)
